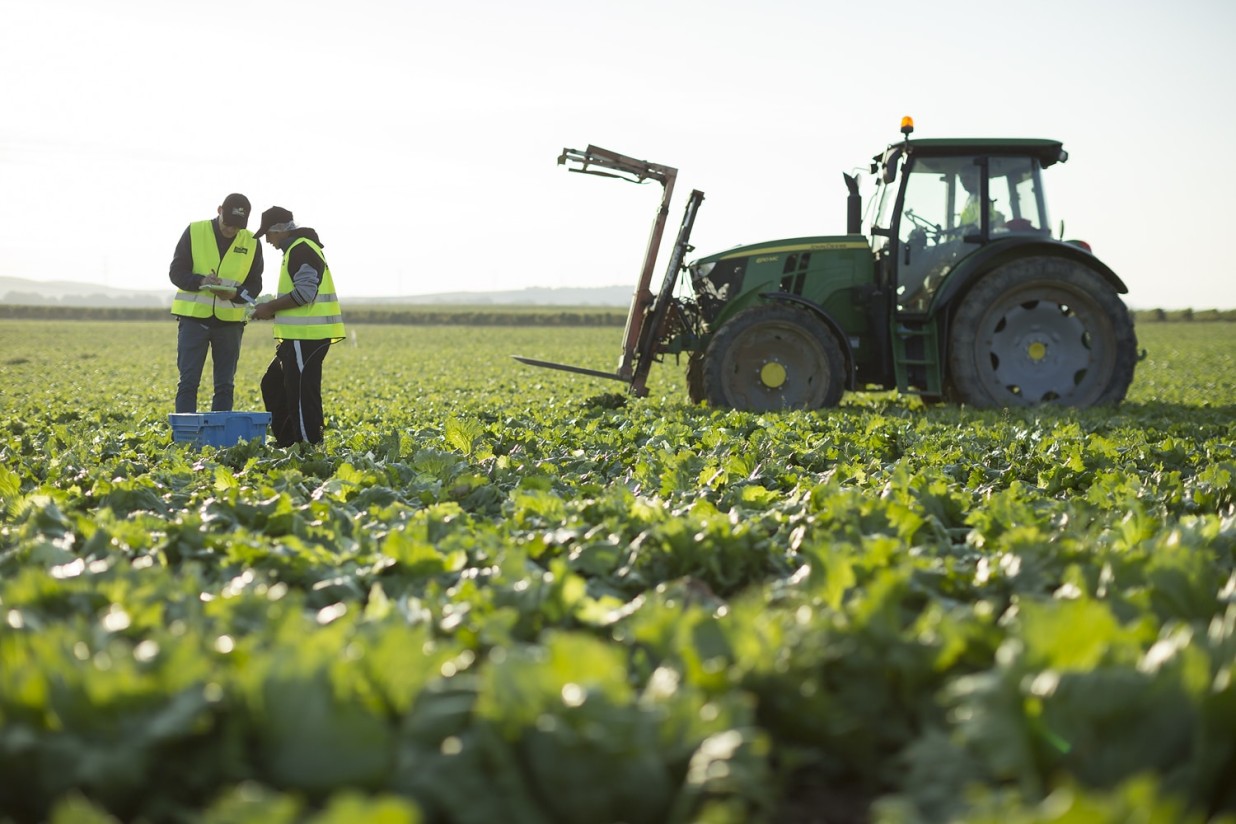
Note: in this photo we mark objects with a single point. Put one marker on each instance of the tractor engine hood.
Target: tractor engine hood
(718, 279)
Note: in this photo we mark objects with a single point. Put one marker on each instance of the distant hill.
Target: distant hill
(532, 296)
(24, 292)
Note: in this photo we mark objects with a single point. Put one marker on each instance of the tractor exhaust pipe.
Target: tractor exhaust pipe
(854, 206)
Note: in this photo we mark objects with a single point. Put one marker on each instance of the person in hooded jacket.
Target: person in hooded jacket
(307, 321)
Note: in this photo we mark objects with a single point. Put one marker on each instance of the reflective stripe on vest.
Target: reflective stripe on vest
(319, 320)
(232, 269)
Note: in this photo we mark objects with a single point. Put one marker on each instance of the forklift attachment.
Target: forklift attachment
(596, 373)
(592, 161)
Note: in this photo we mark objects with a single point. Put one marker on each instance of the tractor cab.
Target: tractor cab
(942, 202)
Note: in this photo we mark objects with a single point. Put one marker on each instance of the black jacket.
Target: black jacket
(183, 277)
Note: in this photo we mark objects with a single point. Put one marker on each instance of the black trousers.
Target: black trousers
(292, 391)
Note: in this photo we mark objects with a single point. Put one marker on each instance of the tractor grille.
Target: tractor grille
(794, 275)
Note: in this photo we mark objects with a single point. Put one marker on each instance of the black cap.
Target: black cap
(277, 218)
(235, 211)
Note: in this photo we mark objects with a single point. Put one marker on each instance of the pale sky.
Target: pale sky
(420, 139)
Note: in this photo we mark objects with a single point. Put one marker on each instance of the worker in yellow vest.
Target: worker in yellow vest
(217, 264)
(307, 321)
(971, 211)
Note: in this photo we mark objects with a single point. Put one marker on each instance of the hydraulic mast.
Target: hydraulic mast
(639, 339)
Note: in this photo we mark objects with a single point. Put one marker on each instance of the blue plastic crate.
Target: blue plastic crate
(219, 428)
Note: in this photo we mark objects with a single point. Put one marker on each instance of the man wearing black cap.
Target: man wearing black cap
(217, 269)
(307, 321)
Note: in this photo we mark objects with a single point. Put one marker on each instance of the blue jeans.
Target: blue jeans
(192, 340)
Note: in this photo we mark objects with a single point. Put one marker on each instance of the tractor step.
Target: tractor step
(916, 358)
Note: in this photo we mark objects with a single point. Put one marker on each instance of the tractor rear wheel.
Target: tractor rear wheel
(772, 357)
(1041, 330)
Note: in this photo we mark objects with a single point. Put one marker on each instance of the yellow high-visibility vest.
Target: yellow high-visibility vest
(319, 320)
(232, 269)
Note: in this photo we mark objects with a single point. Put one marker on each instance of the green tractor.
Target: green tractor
(960, 293)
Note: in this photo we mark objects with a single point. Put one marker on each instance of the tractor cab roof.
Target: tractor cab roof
(1047, 151)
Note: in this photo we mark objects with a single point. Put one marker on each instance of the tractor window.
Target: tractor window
(937, 195)
(1015, 188)
(887, 199)
(926, 212)
(881, 223)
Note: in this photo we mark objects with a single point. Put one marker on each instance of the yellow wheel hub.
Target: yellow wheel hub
(772, 375)
(1037, 351)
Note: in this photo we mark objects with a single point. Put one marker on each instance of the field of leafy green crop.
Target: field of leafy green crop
(500, 594)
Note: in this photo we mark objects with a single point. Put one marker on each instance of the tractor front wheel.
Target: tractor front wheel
(1041, 330)
(773, 357)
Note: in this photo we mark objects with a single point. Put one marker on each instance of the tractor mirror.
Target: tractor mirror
(891, 157)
